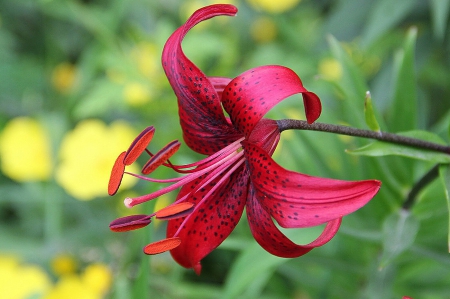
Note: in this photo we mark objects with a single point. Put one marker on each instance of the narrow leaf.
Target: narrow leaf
(379, 148)
(444, 173)
(402, 115)
(399, 232)
(440, 9)
(369, 113)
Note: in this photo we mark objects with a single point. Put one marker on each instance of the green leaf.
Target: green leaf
(439, 12)
(369, 113)
(352, 84)
(402, 115)
(384, 16)
(380, 148)
(399, 232)
(444, 174)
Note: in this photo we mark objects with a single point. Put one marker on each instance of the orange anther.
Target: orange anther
(175, 211)
(161, 157)
(116, 174)
(138, 145)
(162, 246)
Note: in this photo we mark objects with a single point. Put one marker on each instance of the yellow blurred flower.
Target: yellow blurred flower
(19, 281)
(64, 77)
(272, 6)
(97, 277)
(25, 150)
(87, 155)
(330, 69)
(63, 264)
(136, 94)
(71, 287)
(263, 30)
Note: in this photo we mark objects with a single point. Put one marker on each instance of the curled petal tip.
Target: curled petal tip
(116, 174)
(162, 246)
(198, 268)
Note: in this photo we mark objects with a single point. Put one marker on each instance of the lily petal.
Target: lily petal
(273, 240)
(248, 97)
(211, 222)
(299, 200)
(205, 128)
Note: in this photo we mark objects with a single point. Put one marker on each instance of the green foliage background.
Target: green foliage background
(399, 50)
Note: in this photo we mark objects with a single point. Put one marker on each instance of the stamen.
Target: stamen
(139, 145)
(116, 174)
(128, 223)
(175, 211)
(162, 246)
(161, 157)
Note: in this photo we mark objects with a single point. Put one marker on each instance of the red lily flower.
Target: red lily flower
(239, 171)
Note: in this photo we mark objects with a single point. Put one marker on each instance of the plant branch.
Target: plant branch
(293, 124)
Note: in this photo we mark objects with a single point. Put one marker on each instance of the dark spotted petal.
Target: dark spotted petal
(250, 95)
(205, 128)
(273, 240)
(299, 200)
(211, 222)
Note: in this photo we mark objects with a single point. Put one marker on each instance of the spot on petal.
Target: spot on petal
(175, 211)
(138, 145)
(116, 174)
(162, 246)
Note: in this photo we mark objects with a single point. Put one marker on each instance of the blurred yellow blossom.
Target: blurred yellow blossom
(97, 277)
(271, 6)
(63, 264)
(330, 69)
(71, 287)
(25, 150)
(136, 94)
(263, 30)
(87, 155)
(18, 281)
(64, 77)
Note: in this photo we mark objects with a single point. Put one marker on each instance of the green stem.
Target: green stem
(419, 185)
(292, 124)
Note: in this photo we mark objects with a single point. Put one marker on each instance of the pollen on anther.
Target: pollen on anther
(116, 174)
(162, 246)
(138, 145)
(175, 211)
(161, 157)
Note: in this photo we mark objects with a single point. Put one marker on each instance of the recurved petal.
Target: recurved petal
(212, 220)
(205, 128)
(298, 200)
(250, 95)
(272, 239)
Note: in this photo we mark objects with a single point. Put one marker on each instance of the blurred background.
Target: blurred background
(79, 79)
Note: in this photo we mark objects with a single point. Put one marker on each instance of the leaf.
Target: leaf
(402, 115)
(380, 148)
(444, 174)
(252, 263)
(399, 232)
(440, 10)
(352, 83)
(385, 15)
(369, 113)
